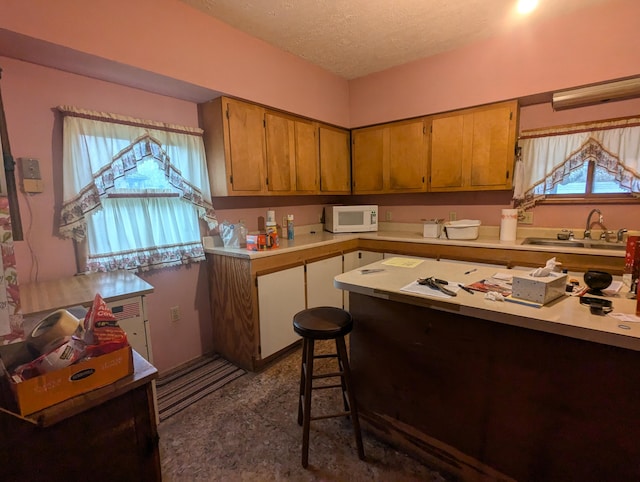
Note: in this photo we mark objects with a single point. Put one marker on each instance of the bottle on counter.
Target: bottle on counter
(289, 226)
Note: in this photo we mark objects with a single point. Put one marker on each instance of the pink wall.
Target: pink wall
(30, 95)
(172, 39)
(596, 44)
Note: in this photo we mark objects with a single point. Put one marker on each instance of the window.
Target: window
(134, 192)
(588, 179)
(587, 161)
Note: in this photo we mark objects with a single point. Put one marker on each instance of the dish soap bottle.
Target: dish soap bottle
(289, 226)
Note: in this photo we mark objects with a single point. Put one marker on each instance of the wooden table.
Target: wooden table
(106, 434)
(495, 391)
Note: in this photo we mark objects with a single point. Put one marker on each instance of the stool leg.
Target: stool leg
(306, 418)
(345, 402)
(302, 379)
(342, 353)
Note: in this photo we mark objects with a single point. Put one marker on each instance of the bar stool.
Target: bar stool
(324, 323)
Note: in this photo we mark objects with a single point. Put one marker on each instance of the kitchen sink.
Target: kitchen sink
(575, 243)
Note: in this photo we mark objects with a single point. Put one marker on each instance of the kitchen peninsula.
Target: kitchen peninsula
(252, 320)
(491, 390)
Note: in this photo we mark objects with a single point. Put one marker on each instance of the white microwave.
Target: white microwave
(350, 219)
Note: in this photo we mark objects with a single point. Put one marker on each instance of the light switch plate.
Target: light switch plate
(30, 168)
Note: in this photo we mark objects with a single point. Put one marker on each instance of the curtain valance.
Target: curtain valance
(549, 155)
(99, 147)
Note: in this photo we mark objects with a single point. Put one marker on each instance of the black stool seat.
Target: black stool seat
(322, 323)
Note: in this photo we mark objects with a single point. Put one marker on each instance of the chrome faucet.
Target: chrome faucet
(620, 234)
(587, 229)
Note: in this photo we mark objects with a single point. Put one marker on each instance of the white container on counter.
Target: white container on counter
(432, 228)
(462, 229)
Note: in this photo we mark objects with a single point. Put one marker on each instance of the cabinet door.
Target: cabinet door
(320, 289)
(447, 147)
(367, 160)
(280, 296)
(307, 165)
(493, 147)
(280, 153)
(245, 129)
(354, 260)
(407, 156)
(335, 161)
(474, 149)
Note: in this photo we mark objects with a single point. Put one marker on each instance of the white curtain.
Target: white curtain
(549, 155)
(99, 148)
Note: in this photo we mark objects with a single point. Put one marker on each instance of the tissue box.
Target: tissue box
(539, 289)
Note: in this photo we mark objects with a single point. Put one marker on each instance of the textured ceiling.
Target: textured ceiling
(353, 38)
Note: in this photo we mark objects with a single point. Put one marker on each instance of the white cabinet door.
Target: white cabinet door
(320, 289)
(354, 260)
(280, 296)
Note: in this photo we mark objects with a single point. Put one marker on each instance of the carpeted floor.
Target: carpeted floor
(248, 431)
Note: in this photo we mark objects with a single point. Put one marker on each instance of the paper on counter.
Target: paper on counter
(403, 262)
(415, 287)
(625, 317)
(613, 288)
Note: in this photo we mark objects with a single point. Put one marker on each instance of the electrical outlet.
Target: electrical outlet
(525, 217)
(174, 313)
(452, 216)
(388, 216)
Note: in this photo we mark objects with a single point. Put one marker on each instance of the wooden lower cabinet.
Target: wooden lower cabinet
(107, 434)
(487, 401)
(253, 301)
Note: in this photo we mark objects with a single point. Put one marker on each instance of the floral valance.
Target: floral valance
(548, 156)
(101, 147)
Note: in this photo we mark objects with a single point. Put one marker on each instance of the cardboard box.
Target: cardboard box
(46, 390)
(539, 289)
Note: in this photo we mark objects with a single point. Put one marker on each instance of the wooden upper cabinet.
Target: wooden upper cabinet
(292, 154)
(281, 151)
(234, 141)
(390, 158)
(474, 149)
(307, 162)
(254, 151)
(408, 156)
(367, 159)
(335, 160)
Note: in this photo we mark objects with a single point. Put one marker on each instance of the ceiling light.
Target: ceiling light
(527, 6)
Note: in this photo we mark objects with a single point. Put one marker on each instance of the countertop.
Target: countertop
(37, 297)
(564, 316)
(489, 238)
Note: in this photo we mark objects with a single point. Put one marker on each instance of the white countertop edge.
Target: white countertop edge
(321, 238)
(564, 317)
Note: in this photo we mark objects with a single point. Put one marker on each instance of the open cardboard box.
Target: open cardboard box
(46, 390)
